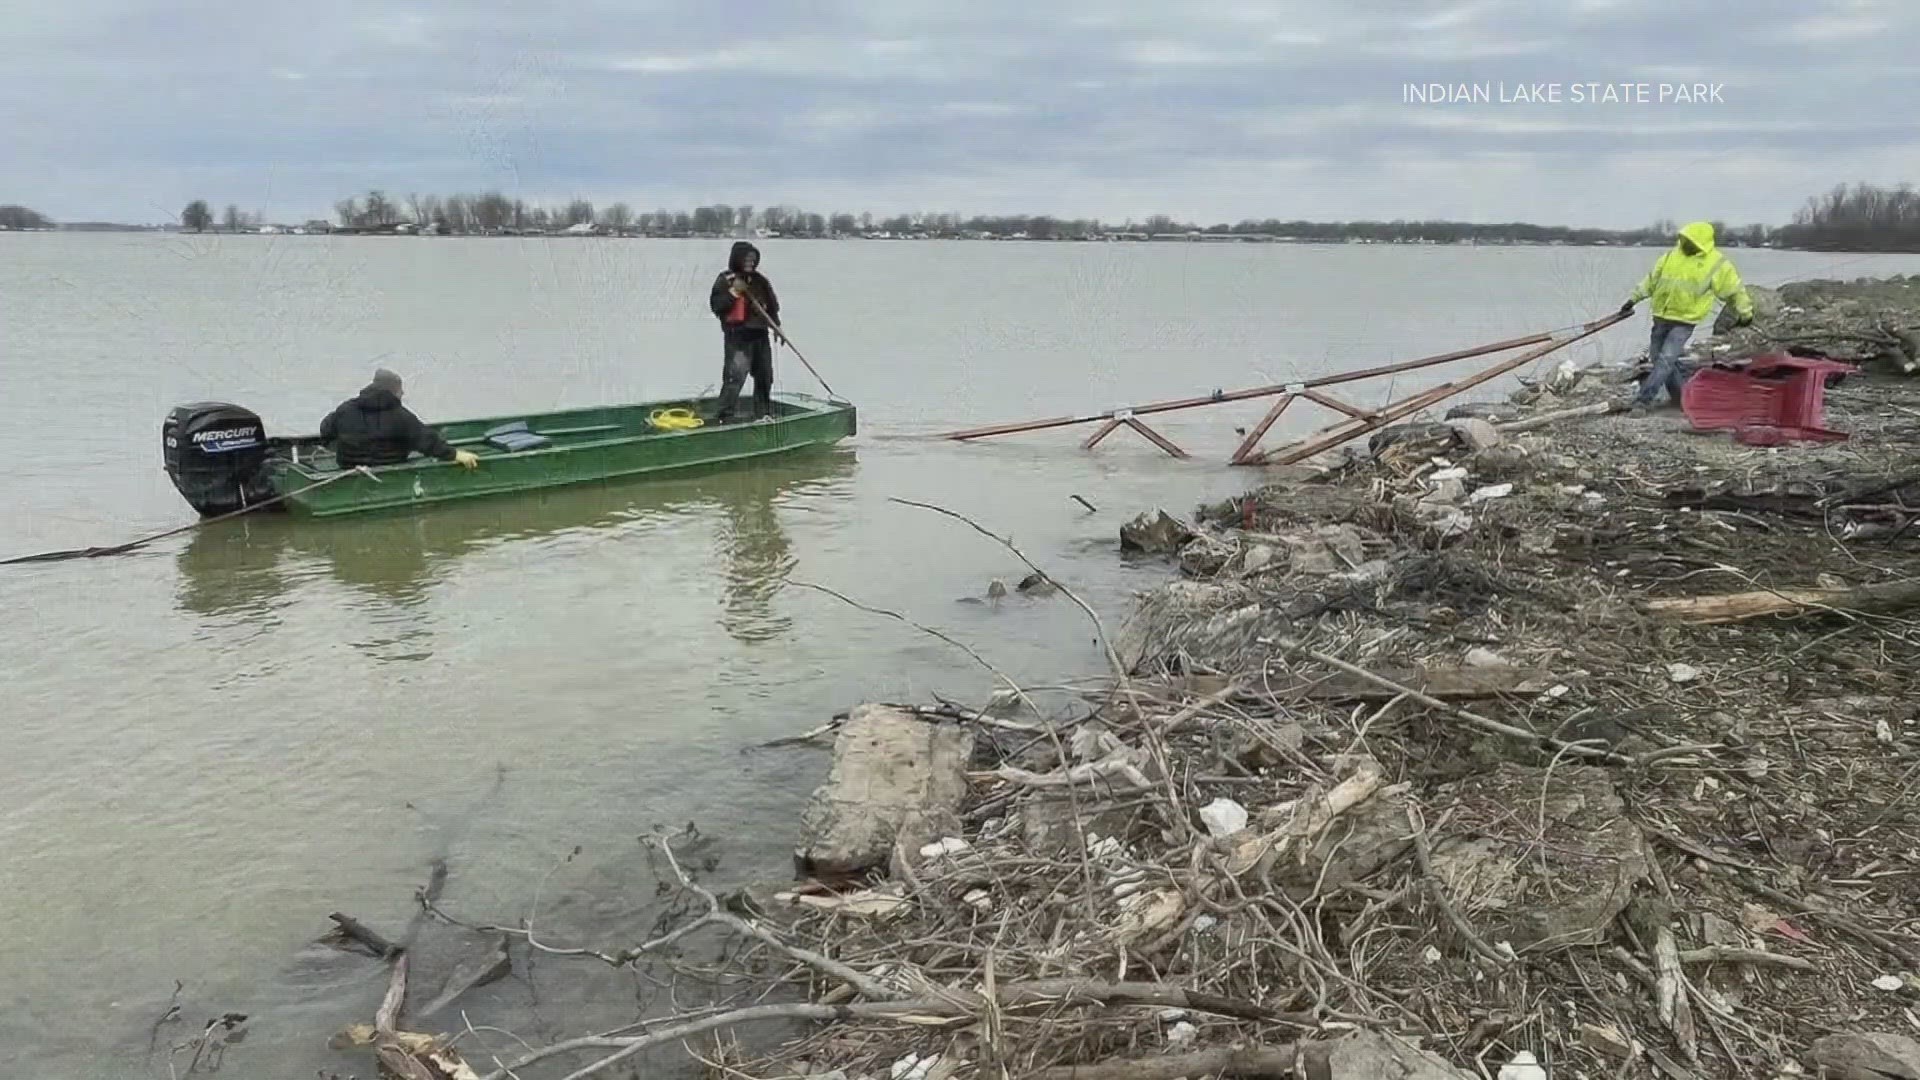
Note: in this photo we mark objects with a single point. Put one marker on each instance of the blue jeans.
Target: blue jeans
(1669, 338)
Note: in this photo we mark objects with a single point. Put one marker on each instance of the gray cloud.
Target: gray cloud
(1227, 109)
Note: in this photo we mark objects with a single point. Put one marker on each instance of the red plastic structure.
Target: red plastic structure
(1775, 399)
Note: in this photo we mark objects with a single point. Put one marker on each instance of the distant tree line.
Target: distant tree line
(492, 213)
(19, 217)
(1857, 218)
(198, 217)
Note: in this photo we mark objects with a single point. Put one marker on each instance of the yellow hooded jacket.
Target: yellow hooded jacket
(1684, 286)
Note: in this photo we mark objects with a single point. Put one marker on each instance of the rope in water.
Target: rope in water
(122, 549)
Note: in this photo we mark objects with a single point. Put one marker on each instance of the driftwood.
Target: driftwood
(1249, 1061)
(403, 1055)
(1048, 995)
(1534, 423)
(1877, 599)
(1361, 1056)
(1581, 749)
(1454, 683)
(352, 929)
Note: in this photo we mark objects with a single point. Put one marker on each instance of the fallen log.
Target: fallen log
(1445, 683)
(403, 1055)
(1364, 1055)
(958, 1006)
(1533, 423)
(352, 929)
(1258, 1062)
(1881, 598)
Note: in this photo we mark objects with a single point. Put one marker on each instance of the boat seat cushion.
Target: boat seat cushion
(516, 436)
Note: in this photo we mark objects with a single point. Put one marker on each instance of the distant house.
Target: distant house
(585, 228)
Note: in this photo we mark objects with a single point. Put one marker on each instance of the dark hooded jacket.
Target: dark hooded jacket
(758, 287)
(373, 428)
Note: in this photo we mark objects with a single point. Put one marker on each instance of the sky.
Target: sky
(1207, 110)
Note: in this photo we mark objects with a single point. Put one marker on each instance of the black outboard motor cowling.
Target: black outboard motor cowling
(216, 456)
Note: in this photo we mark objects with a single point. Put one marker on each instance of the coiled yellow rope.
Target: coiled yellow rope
(674, 419)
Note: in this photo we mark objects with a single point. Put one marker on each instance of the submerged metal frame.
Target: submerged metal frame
(1358, 422)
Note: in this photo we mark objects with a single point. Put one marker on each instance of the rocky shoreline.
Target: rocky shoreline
(1535, 741)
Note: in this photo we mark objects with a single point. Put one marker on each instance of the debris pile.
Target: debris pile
(1536, 741)
(1874, 321)
(1456, 752)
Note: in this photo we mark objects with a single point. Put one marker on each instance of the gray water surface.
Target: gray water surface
(211, 744)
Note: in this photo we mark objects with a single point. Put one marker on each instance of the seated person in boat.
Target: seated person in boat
(373, 428)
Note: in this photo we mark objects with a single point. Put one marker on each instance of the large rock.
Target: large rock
(1875, 1056)
(1428, 437)
(1536, 891)
(1475, 434)
(1157, 533)
(895, 779)
(1050, 827)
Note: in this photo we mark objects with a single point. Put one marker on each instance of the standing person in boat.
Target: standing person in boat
(749, 313)
(373, 428)
(1683, 284)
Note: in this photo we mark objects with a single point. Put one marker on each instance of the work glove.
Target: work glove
(466, 459)
(1627, 308)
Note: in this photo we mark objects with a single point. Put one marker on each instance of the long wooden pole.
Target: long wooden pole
(788, 342)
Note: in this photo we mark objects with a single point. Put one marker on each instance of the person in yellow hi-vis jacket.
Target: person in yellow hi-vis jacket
(1684, 283)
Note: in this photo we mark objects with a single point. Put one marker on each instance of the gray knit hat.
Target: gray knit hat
(387, 380)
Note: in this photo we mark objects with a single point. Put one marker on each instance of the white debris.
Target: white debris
(1564, 377)
(1182, 1034)
(914, 1067)
(1883, 731)
(1484, 658)
(1455, 473)
(1223, 818)
(1524, 1066)
(949, 845)
(1889, 983)
(1489, 493)
(1682, 672)
(1431, 954)
(979, 899)
(1092, 741)
(1204, 923)
(1558, 690)
(867, 903)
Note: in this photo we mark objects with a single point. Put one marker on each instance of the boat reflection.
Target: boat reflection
(251, 566)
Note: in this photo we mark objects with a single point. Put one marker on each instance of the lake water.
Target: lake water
(210, 745)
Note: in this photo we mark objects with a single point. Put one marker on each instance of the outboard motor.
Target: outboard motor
(216, 456)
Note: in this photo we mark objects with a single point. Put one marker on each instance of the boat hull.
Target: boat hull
(602, 444)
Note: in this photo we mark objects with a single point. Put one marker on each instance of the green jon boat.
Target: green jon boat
(209, 447)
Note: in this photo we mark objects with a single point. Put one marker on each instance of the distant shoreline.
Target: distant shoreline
(1106, 238)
